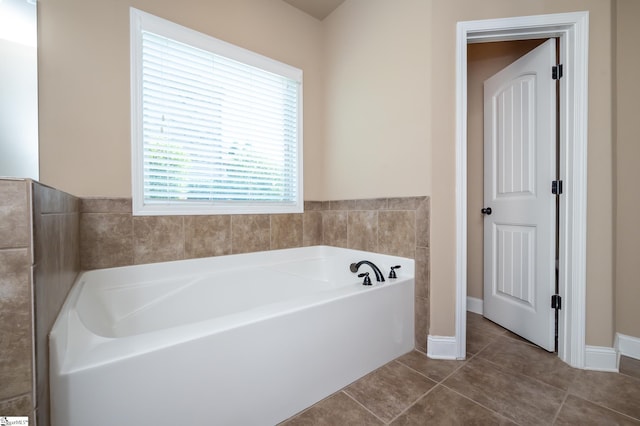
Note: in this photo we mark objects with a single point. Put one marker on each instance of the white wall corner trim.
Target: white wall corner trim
(573, 31)
(601, 358)
(442, 347)
(628, 345)
(475, 305)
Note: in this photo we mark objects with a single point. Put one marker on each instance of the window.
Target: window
(215, 128)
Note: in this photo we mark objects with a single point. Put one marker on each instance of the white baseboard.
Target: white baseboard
(601, 358)
(441, 347)
(475, 305)
(628, 345)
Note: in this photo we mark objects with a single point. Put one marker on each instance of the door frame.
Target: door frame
(573, 31)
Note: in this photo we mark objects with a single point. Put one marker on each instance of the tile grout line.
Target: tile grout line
(270, 232)
(567, 390)
(231, 233)
(614, 411)
(485, 346)
(455, 371)
(184, 237)
(598, 404)
(564, 400)
(480, 404)
(636, 378)
(413, 403)
(495, 336)
(509, 371)
(344, 391)
(438, 383)
(527, 376)
(498, 336)
(430, 378)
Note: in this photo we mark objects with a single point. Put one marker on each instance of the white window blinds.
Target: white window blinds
(217, 134)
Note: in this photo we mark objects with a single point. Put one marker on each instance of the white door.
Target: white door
(519, 167)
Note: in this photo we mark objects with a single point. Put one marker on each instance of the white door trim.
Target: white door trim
(573, 31)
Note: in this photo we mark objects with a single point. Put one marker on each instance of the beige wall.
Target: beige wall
(483, 61)
(445, 14)
(377, 100)
(84, 80)
(627, 171)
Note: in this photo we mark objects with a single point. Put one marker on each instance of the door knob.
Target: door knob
(486, 210)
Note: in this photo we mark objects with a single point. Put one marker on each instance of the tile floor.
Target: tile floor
(504, 381)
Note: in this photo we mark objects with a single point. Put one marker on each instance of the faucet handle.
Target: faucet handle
(392, 274)
(367, 280)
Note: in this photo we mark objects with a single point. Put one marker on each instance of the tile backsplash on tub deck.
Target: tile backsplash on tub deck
(111, 236)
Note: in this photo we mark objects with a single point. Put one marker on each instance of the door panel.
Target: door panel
(515, 256)
(520, 156)
(515, 109)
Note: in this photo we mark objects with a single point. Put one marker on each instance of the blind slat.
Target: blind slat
(214, 128)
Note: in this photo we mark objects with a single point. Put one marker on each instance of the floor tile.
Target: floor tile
(577, 411)
(480, 333)
(518, 397)
(389, 390)
(616, 391)
(442, 406)
(483, 325)
(435, 369)
(532, 361)
(514, 336)
(630, 366)
(478, 340)
(338, 409)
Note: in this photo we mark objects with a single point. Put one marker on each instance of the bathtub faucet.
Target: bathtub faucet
(354, 268)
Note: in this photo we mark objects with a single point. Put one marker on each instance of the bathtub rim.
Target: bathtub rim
(74, 347)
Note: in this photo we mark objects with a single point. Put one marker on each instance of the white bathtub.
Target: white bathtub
(245, 339)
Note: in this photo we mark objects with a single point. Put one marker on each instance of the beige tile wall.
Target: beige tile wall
(39, 261)
(56, 264)
(395, 226)
(16, 344)
(111, 236)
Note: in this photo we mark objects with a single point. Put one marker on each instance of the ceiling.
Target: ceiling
(319, 9)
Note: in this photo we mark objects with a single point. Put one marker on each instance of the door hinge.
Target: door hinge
(556, 301)
(556, 72)
(556, 187)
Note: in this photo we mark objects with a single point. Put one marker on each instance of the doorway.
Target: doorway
(572, 31)
(511, 250)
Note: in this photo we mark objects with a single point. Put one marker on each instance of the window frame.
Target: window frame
(141, 21)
